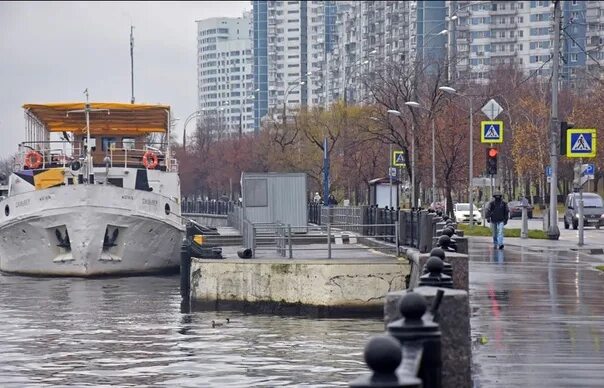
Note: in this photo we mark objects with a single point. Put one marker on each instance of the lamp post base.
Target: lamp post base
(553, 232)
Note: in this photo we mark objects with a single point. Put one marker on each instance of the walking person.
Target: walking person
(497, 215)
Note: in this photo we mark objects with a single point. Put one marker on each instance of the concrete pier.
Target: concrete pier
(355, 281)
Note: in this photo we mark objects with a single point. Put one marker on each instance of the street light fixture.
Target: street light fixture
(415, 104)
(450, 90)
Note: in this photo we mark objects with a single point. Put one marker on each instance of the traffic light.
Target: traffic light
(492, 161)
(564, 126)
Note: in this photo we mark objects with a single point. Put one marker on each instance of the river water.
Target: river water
(130, 332)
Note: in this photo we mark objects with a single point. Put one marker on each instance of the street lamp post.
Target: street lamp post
(450, 90)
(184, 128)
(397, 113)
(415, 104)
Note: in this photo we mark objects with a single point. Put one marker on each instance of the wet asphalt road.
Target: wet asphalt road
(540, 315)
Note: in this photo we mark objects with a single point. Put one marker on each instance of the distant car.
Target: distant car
(516, 209)
(593, 209)
(462, 213)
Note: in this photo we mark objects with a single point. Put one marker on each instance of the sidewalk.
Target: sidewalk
(537, 314)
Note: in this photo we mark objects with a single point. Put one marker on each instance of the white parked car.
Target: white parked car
(462, 213)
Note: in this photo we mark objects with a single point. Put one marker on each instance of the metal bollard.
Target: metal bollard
(446, 244)
(435, 276)
(438, 252)
(414, 329)
(185, 269)
(383, 355)
(524, 230)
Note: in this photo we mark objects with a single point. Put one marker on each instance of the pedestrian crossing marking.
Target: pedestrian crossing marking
(491, 131)
(581, 144)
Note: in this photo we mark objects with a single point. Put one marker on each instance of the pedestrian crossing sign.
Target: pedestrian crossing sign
(581, 143)
(491, 131)
(398, 158)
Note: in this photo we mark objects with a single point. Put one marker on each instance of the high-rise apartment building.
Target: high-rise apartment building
(315, 52)
(372, 33)
(291, 40)
(495, 33)
(224, 73)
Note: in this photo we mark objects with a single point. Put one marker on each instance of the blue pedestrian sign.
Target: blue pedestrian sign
(491, 131)
(548, 171)
(398, 158)
(581, 143)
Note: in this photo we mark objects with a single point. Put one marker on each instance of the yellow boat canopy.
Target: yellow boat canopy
(119, 118)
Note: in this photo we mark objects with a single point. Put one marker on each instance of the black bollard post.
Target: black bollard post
(383, 355)
(185, 269)
(438, 252)
(447, 244)
(435, 276)
(413, 328)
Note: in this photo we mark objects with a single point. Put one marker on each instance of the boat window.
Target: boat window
(108, 143)
(128, 143)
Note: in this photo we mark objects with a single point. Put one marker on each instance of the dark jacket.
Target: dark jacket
(497, 211)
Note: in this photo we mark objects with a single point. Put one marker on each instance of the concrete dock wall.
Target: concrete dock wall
(342, 284)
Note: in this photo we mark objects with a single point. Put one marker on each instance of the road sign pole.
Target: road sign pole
(553, 232)
(581, 222)
(390, 176)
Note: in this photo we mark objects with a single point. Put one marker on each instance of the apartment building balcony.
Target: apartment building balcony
(592, 13)
(505, 26)
(503, 12)
(499, 54)
(507, 39)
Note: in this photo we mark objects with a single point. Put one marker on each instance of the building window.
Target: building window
(108, 143)
(128, 143)
(574, 57)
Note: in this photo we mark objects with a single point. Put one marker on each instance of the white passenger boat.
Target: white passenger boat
(103, 199)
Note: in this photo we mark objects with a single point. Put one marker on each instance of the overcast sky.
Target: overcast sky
(52, 51)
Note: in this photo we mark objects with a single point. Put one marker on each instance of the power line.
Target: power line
(582, 49)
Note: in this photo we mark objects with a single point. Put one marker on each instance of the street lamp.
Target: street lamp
(293, 85)
(398, 114)
(415, 104)
(450, 90)
(184, 128)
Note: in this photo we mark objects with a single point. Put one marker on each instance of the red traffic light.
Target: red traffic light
(493, 152)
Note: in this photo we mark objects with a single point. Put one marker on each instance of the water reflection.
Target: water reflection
(130, 331)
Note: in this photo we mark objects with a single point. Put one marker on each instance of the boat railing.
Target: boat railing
(133, 157)
(56, 153)
(61, 153)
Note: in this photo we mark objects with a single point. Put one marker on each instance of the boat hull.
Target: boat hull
(111, 231)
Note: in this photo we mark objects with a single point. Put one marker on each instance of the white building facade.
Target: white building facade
(224, 73)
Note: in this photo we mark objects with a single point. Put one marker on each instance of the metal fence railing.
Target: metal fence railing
(207, 207)
(397, 227)
(279, 238)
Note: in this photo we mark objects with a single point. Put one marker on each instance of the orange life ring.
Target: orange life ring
(33, 159)
(150, 160)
